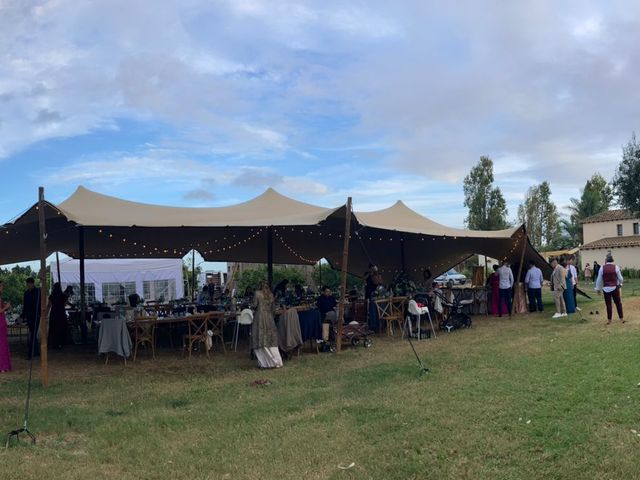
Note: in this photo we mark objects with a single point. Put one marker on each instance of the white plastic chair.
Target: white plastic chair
(244, 318)
(418, 312)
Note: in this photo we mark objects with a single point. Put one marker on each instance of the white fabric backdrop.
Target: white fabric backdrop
(121, 270)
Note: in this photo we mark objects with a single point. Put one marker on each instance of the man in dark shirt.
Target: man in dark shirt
(31, 314)
(326, 303)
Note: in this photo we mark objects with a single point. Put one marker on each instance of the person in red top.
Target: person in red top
(610, 281)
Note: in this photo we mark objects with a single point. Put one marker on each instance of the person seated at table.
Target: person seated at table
(203, 296)
(326, 304)
(281, 288)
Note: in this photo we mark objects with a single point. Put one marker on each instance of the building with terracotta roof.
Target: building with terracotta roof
(615, 231)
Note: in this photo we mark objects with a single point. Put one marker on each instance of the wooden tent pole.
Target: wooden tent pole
(343, 275)
(270, 257)
(193, 275)
(58, 268)
(517, 279)
(83, 287)
(402, 257)
(44, 322)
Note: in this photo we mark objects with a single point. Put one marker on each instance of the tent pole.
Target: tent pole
(524, 247)
(270, 257)
(402, 257)
(343, 276)
(193, 275)
(58, 267)
(83, 288)
(44, 321)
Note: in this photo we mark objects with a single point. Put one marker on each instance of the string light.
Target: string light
(292, 251)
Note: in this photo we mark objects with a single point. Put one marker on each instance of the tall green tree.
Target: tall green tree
(486, 204)
(626, 182)
(252, 277)
(540, 215)
(595, 197)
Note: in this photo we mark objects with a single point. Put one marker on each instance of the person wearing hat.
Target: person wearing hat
(610, 282)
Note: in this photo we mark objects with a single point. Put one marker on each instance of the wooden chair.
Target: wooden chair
(216, 327)
(144, 332)
(198, 325)
(391, 311)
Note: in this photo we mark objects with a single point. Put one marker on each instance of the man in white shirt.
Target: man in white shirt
(506, 285)
(610, 281)
(533, 283)
(574, 280)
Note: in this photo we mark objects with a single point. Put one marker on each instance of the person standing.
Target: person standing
(505, 276)
(494, 283)
(58, 330)
(569, 299)
(5, 355)
(574, 280)
(610, 282)
(31, 315)
(533, 283)
(596, 270)
(588, 273)
(558, 285)
(264, 334)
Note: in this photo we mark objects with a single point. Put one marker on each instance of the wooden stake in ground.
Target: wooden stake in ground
(343, 276)
(517, 279)
(44, 321)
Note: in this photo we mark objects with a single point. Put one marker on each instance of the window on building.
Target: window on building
(117, 292)
(636, 228)
(159, 289)
(89, 292)
(619, 229)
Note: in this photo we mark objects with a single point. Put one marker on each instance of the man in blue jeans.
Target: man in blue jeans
(506, 286)
(533, 283)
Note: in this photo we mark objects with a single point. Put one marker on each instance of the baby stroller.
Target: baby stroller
(453, 315)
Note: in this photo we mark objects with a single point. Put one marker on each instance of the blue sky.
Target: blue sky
(205, 103)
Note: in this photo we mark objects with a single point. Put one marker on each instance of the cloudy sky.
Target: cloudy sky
(200, 102)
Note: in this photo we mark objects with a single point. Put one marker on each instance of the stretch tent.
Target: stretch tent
(268, 227)
(148, 277)
(400, 239)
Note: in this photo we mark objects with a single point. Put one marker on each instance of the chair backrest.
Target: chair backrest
(413, 307)
(245, 317)
(198, 325)
(144, 326)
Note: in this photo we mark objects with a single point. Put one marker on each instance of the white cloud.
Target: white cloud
(415, 90)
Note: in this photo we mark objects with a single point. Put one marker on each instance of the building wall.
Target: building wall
(595, 231)
(625, 257)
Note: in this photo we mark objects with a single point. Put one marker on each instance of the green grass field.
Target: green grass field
(527, 398)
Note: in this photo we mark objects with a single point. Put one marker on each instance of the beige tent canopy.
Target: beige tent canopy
(270, 227)
(399, 239)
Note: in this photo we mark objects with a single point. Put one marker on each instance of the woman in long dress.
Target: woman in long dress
(58, 329)
(264, 334)
(569, 299)
(5, 355)
(496, 304)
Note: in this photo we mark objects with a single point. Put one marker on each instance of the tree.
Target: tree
(252, 277)
(595, 197)
(332, 278)
(487, 207)
(15, 283)
(626, 182)
(187, 274)
(540, 215)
